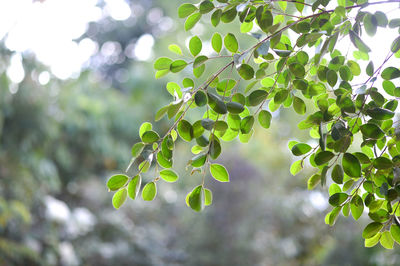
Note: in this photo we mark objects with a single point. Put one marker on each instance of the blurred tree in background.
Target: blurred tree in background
(60, 141)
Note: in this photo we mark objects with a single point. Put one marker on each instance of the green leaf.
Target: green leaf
(215, 148)
(381, 18)
(185, 10)
(370, 242)
(395, 45)
(337, 199)
(300, 149)
(331, 77)
(380, 113)
(296, 167)
(195, 45)
(175, 49)
(207, 197)
(137, 149)
(386, 240)
(219, 172)
(372, 229)
(264, 18)
(206, 6)
(246, 72)
(297, 70)
(117, 181)
(264, 118)
(196, 198)
(256, 97)
(246, 124)
(146, 126)
(177, 65)
(169, 175)
(390, 73)
(149, 191)
(394, 23)
(372, 131)
(200, 98)
(299, 106)
(199, 61)
(185, 130)
(234, 107)
(230, 42)
(162, 63)
(395, 231)
(357, 207)
(358, 43)
(323, 157)
(192, 20)
(216, 103)
(337, 174)
(216, 17)
(382, 163)
(370, 24)
(119, 198)
(313, 181)
(198, 160)
(351, 165)
(228, 15)
(370, 69)
(150, 136)
(134, 186)
(281, 96)
(216, 42)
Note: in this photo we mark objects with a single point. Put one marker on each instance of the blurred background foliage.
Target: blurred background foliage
(60, 141)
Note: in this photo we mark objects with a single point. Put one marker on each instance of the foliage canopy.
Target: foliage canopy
(295, 62)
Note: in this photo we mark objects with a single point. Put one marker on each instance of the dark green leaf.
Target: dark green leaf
(358, 43)
(235, 108)
(372, 131)
(228, 15)
(256, 97)
(215, 148)
(323, 157)
(206, 6)
(200, 98)
(337, 174)
(382, 163)
(338, 198)
(351, 165)
(300, 149)
(216, 103)
(395, 45)
(246, 124)
(370, 24)
(177, 65)
(150, 136)
(246, 71)
(297, 70)
(185, 130)
(390, 73)
(380, 114)
(216, 17)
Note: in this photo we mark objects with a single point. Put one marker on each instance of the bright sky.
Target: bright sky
(48, 29)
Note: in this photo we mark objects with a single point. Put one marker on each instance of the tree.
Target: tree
(358, 145)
